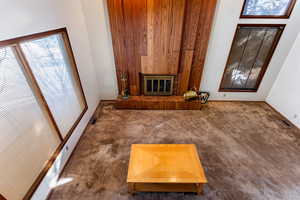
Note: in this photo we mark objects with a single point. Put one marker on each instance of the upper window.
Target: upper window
(267, 8)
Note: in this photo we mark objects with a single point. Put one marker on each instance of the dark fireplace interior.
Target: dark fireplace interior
(158, 85)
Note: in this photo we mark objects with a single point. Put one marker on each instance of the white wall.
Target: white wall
(19, 17)
(285, 94)
(225, 23)
(96, 16)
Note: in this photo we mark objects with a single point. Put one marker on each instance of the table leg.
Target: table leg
(131, 188)
(199, 189)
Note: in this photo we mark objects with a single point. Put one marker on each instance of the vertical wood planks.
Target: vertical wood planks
(135, 19)
(193, 9)
(164, 29)
(128, 25)
(207, 13)
(186, 63)
(192, 13)
(161, 37)
(197, 28)
(177, 20)
(116, 17)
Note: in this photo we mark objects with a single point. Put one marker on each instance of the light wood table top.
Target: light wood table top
(165, 163)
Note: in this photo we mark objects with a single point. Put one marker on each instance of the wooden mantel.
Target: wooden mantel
(157, 103)
(161, 37)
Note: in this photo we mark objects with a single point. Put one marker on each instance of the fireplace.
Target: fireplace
(162, 60)
(158, 85)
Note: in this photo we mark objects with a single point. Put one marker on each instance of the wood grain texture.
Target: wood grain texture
(192, 16)
(189, 35)
(165, 163)
(157, 103)
(135, 18)
(152, 37)
(167, 187)
(128, 19)
(164, 30)
(196, 34)
(207, 13)
(183, 78)
(116, 17)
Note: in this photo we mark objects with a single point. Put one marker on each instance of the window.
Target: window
(41, 102)
(51, 66)
(25, 130)
(267, 8)
(250, 54)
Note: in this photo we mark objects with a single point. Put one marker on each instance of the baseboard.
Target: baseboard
(236, 101)
(112, 101)
(281, 115)
(245, 101)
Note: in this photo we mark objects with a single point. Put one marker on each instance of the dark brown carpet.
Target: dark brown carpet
(246, 150)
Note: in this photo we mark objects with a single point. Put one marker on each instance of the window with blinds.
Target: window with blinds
(250, 54)
(52, 68)
(41, 102)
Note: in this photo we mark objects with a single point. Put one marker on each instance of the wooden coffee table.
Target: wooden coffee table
(165, 168)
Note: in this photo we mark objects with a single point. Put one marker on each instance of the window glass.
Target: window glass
(250, 54)
(27, 137)
(51, 66)
(266, 7)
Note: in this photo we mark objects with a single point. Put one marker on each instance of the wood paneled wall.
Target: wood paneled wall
(161, 37)
(164, 33)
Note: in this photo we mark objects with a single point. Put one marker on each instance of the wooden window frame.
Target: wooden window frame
(15, 45)
(2, 197)
(266, 64)
(285, 16)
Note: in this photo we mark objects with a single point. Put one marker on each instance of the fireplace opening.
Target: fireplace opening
(158, 85)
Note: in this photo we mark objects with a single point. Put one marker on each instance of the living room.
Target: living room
(149, 99)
